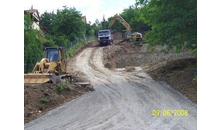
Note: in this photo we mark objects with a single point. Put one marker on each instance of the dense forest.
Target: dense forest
(164, 22)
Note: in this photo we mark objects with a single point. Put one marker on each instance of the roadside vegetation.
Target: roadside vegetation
(163, 23)
(72, 50)
(168, 23)
(65, 28)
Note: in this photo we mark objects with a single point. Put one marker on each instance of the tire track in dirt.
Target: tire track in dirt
(120, 101)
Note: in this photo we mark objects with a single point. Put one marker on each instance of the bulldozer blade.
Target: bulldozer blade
(37, 78)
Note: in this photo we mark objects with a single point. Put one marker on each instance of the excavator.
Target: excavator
(128, 35)
(51, 68)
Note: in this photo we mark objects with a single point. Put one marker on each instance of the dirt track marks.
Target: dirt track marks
(120, 101)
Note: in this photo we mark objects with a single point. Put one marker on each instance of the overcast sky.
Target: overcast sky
(92, 9)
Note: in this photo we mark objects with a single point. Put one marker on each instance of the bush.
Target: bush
(59, 87)
(43, 100)
(133, 39)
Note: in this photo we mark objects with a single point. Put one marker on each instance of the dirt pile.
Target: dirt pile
(110, 53)
(128, 54)
(117, 36)
(180, 74)
(177, 69)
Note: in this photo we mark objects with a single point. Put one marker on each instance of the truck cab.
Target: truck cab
(105, 37)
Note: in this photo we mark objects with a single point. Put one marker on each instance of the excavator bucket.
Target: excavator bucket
(37, 78)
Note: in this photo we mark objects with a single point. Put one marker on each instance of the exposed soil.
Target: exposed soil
(121, 100)
(38, 99)
(178, 70)
(128, 54)
(117, 36)
(180, 74)
(109, 107)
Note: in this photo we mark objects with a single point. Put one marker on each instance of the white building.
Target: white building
(36, 19)
(35, 16)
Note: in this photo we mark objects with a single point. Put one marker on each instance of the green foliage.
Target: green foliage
(64, 27)
(104, 23)
(43, 100)
(33, 45)
(133, 39)
(89, 30)
(141, 2)
(134, 17)
(27, 21)
(174, 23)
(47, 20)
(59, 87)
(77, 46)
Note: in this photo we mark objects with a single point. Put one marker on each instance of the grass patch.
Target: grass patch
(59, 87)
(44, 101)
(72, 50)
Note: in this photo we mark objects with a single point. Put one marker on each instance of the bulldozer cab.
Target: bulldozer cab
(54, 54)
(53, 64)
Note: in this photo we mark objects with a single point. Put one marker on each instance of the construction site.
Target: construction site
(135, 73)
(127, 82)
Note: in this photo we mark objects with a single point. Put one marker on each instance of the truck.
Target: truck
(105, 37)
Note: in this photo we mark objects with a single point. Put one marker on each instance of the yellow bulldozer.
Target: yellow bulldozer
(52, 68)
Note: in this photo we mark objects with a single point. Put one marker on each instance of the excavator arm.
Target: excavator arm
(112, 22)
(128, 34)
(120, 19)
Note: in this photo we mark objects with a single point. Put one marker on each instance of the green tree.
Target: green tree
(47, 20)
(134, 17)
(64, 26)
(33, 46)
(104, 23)
(97, 22)
(69, 23)
(174, 23)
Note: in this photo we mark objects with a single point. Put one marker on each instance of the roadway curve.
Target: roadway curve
(121, 100)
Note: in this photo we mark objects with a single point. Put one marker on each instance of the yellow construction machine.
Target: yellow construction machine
(128, 35)
(52, 68)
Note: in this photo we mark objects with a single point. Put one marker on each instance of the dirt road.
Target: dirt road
(121, 100)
